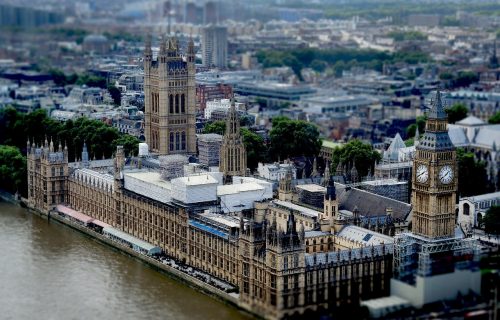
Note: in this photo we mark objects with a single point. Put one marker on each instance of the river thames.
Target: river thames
(49, 271)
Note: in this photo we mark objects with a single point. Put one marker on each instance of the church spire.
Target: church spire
(331, 193)
(232, 153)
(190, 51)
(437, 112)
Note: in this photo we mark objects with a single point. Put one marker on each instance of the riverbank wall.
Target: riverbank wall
(230, 299)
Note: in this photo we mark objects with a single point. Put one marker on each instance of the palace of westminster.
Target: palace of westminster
(285, 258)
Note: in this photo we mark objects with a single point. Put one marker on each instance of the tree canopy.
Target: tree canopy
(218, 127)
(412, 128)
(116, 95)
(291, 138)
(457, 112)
(472, 177)
(62, 79)
(254, 144)
(16, 128)
(356, 152)
(495, 119)
(491, 220)
(12, 169)
(337, 59)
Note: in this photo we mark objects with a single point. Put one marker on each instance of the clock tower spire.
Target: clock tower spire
(434, 189)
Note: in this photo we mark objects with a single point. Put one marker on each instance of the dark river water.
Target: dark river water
(49, 271)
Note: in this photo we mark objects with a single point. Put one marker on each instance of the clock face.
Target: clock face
(446, 174)
(422, 173)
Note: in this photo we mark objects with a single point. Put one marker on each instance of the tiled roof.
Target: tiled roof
(370, 204)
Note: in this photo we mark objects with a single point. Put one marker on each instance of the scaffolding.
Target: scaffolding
(209, 149)
(172, 166)
(419, 256)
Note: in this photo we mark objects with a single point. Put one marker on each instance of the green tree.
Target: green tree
(465, 79)
(446, 76)
(412, 128)
(319, 65)
(495, 119)
(130, 144)
(457, 112)
(255, 148)
(472, 176)
(254, 144)
(356, 151)
(12, 169)
(290, 138)
(218, 127)
(491, 220)
(116, 95)
(91, 81)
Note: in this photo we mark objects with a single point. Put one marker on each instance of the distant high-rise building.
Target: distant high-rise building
(169, 98)
(214, 46)
(210, 16)
(191, 13)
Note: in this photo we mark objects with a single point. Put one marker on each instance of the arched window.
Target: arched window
(183, 103)
(176, 103)
(466, 208)
(152, 102)
(171, 103)
(171, 144)
(177, 140)
(183, 141)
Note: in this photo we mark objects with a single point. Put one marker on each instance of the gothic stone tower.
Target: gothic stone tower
(169, 98)
(47, 176)
(329, 215)
(233, 156)
(435, 178)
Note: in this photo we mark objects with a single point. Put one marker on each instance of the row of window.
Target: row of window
(177, 141)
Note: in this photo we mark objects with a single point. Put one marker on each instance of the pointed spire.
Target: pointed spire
(354, 173)
(85, 154)
(314, 172)
(331, 193)
(340, 170)
(190, 51)
(46, 143)
(163, 46)
(148, 52)
(416, 139)
(51, 147)
(437, 111)
(59, 148)
(326, 177)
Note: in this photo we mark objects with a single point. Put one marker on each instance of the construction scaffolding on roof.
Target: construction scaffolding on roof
(172, 166)
(209, 149)
(419, 256)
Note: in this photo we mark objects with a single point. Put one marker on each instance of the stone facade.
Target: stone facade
(47, 175)
(435, 178)
(169, 99)
(233, 156)
(279, 268)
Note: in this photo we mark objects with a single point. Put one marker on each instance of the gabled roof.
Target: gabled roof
(471, 121)
(458, 136)
(393, 151)
(370, 204)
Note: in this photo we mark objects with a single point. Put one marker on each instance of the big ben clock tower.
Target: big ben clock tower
(431, 263)
(435, 178)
